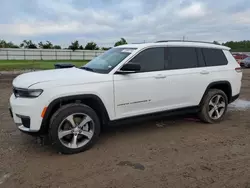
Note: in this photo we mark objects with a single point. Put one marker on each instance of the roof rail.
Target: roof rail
(186, 41)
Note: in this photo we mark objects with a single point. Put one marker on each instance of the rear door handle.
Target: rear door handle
(160, 76)
(204, 72)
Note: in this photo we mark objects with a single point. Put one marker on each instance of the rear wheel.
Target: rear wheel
(213, 106)
(74, 128)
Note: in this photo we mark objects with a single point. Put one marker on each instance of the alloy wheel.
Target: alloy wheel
(217, 106)
(76, 130)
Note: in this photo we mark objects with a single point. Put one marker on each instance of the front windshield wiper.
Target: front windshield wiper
(87, 68)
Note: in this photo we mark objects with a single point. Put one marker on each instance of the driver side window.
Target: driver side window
(151, 59)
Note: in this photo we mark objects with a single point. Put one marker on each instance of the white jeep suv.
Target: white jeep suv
(72, 104)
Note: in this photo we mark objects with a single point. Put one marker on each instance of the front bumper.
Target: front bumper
(26, 113)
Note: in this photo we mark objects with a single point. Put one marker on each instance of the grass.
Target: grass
(7, 65)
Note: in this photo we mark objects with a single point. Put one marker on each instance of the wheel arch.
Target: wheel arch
(225, 86)
(89, 99)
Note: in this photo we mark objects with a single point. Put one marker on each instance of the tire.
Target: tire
(62, 119)
(206, 106)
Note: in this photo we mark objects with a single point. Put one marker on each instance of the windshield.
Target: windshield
(108, 60)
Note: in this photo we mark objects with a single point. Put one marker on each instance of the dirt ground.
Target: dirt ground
(171, 152)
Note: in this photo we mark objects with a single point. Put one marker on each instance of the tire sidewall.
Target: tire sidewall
(64, 112)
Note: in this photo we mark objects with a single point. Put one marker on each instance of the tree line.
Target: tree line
(236, 46)
(48, 45)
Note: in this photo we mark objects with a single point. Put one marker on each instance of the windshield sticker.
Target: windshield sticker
(127, 50)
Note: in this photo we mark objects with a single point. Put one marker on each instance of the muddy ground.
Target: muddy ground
(169, 152)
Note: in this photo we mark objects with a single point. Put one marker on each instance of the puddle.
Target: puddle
(240, 105)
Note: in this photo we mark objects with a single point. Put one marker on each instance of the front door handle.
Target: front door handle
(204, 72)
(160, 76)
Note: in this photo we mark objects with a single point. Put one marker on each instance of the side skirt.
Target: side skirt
(157, 115)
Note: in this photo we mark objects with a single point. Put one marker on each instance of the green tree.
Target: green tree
(57, 47)
(238, 46)
(11, 45)
(74, 45)
(47, 45)
(91, 46)
(121, 42)
(81, 48)
(4, 44)
(28, 44)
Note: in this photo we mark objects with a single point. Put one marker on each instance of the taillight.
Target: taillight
(238, 69)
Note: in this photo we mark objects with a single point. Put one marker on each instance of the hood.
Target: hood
(64, 76)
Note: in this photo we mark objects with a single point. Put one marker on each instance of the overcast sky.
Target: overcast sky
(106, 21)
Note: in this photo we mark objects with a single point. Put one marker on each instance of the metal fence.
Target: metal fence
(47, 54)
(52, 54)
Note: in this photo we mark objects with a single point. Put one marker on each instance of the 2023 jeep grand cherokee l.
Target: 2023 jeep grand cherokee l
(131, 80)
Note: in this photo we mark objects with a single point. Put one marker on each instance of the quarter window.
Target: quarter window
(214, 57)
(151, 59)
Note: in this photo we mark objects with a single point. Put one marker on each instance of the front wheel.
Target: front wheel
(213, 106)
(74, 128)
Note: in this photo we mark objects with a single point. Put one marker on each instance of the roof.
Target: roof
(176, 43)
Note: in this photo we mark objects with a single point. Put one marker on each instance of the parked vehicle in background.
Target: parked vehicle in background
(245, 62)
(240, 56)
(128, 81)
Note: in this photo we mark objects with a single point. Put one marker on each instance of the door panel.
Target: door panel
(184, 87)
(139, 93)
(186, 77)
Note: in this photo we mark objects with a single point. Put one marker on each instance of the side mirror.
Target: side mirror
(129, 68)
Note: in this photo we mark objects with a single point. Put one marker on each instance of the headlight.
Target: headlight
(27, 93)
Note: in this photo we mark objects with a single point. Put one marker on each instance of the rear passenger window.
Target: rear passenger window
(214, 57)
(181, 58)
(151, 59)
